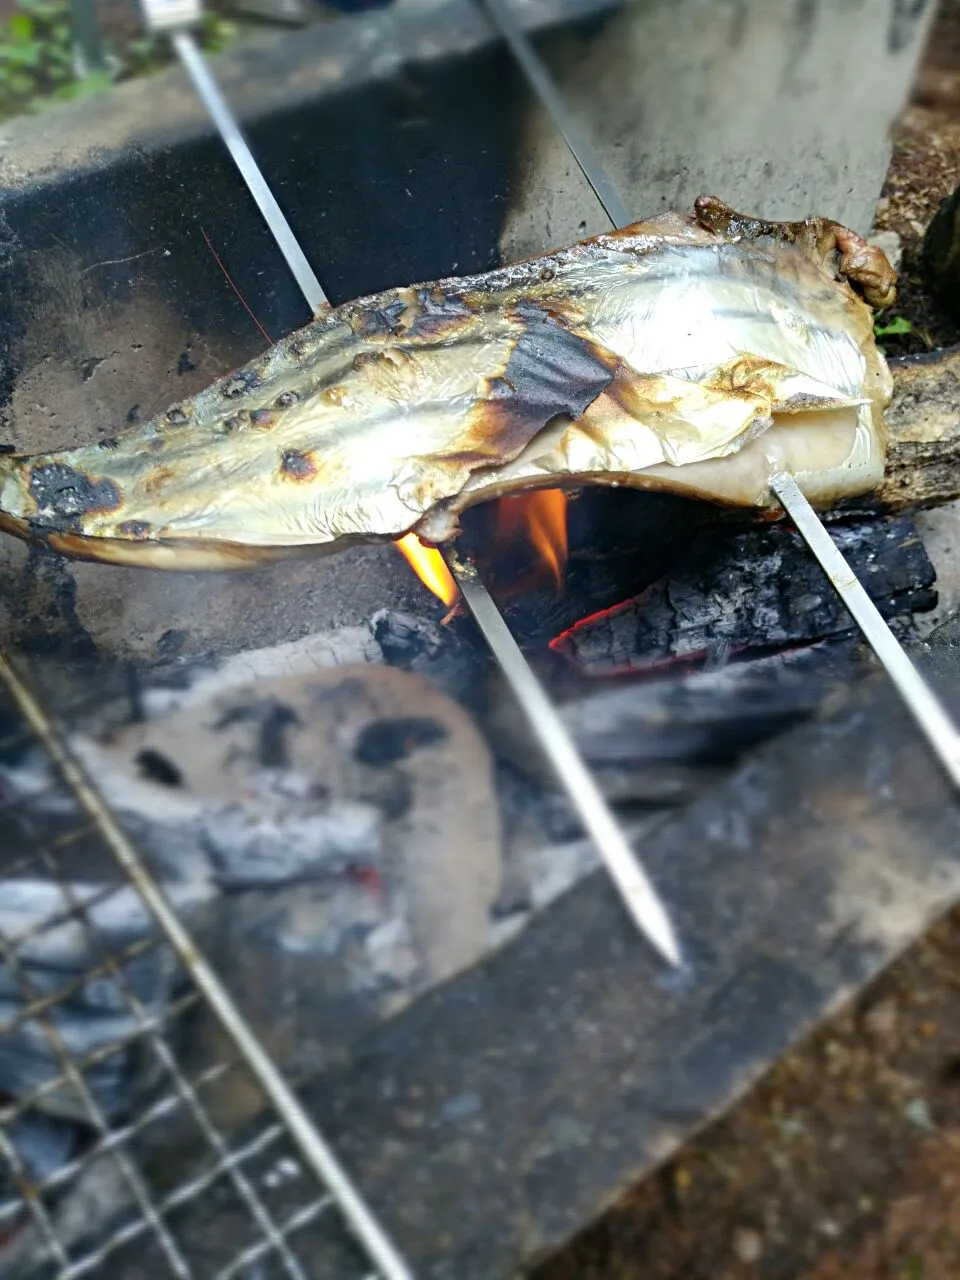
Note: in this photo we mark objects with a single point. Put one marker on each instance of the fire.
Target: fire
(428, 564)
(541, 519)
(538, 519)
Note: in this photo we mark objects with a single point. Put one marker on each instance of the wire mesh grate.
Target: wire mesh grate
(112, 1159)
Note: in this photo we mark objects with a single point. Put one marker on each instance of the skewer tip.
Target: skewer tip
(652, 920)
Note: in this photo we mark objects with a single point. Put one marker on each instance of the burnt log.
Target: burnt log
(752, 592)
(657, 743)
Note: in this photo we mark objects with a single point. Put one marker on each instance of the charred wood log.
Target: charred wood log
(657, 743)
(752, 592)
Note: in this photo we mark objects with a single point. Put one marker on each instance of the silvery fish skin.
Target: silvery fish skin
(692, 353)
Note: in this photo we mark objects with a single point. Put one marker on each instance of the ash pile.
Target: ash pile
(349, 819)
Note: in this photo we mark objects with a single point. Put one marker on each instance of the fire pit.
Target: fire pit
(321, 767)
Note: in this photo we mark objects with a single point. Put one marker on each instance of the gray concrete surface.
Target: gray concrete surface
(781, 106)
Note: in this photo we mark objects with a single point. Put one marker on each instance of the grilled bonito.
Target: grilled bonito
(692, 353)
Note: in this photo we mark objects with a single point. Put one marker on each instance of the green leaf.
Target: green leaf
(21, 26)
(898, 325)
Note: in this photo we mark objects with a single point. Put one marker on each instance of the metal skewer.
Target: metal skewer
(211, 97)
(931, 716)
(636, 889)
(540, 80)
(928, 711)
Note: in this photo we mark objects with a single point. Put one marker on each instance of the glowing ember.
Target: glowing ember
(540, 518)
(428, 564)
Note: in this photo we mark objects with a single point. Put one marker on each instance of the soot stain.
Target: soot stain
(384, 742)
(158, 768)
(51, 590)
(272, 749)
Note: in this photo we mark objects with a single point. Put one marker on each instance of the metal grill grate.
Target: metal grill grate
(83, 1190)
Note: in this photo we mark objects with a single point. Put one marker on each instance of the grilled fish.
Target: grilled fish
(696, 353)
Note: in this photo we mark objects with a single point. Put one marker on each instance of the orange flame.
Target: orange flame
(541, 518)
(429, 566)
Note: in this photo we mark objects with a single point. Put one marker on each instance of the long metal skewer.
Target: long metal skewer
(635, 887)
(314, 1150)
(542, 84)
(211, 97)
(638, 893)
(927, 710)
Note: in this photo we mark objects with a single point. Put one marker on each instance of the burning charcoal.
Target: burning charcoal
(708, 718)
(446, 654)
(749, 593)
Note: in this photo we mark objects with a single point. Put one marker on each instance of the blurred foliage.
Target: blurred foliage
(895, 326)
(892, 328)
(38, 67)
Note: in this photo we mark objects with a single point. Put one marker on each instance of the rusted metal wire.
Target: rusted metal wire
(39, 1207)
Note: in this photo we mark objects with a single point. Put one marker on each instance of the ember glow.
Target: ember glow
(429, 566)
(540, 519)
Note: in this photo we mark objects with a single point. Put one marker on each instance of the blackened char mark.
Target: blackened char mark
(64, 495)
(381, 322)
(439, 316)
(239, 383)
(551, 371)
(296, 465)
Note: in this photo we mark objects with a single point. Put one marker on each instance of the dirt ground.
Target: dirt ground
(844, 1162)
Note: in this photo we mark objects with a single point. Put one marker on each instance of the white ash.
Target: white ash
(341, 647)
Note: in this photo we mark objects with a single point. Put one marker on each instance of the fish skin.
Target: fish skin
(685, 352)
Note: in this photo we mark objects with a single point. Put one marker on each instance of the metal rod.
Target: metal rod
(635, 888)
(236, 144)
(315, 1151)
(541, 82)
(928, 711)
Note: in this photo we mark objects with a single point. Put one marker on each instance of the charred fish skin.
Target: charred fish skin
(691, 353)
